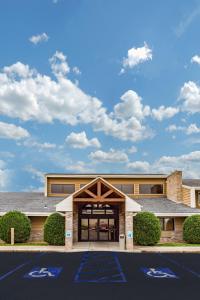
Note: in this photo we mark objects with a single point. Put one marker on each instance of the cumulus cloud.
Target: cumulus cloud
(11, 131)
(133, 149)
(80, 167)
(131, 106)
(163, 112)
(39, 38)
(80, 140)
(139, 166)
(136, 56)
(112, 156)
(195, 59)
(76, 70)
(34, 96)
(36, 174)
(32, 143)
(189, 163)
(190, 129)
(190, 97)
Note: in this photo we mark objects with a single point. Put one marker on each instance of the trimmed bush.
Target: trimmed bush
(147, 229)
(191, 229)
(19, 222)
(54, 229)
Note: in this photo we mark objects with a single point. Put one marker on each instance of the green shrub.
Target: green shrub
(191, 229)
(147, 229)
(19, 222)
(54, 229)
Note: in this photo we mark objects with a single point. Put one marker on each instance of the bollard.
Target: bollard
(12, 239)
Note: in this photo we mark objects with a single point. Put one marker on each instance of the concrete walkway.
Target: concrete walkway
(91, 246)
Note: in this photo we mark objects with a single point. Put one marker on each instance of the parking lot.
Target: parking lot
(98, 275)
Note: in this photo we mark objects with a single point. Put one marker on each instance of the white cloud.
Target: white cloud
(39, 38)
(190, 97)
(189, 163)
(112, 156)
(163, 112)
(80, 167)
(192, 128)
(173, 127)
(59, 64)
(19, 69)
(76, 70)
(139, 166)
(136, 56)
(133, 149)
(36, 174)
(33, 96)
(11, 131)
(131, 106)
(32, 143)
(80, 140)
(195, 59)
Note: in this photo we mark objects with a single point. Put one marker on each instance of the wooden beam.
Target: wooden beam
(102, 200)
(99, 188)
(107, 193)
(90, 193)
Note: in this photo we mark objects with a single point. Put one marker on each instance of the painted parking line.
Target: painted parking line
(100, 268)
(20, 267)
(173, 261)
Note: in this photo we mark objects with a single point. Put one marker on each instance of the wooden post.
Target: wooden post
(12, 239)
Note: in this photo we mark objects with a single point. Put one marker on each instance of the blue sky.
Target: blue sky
(98, 86)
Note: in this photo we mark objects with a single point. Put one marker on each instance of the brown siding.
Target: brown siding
(37, 226)
(136, 182)
(186, 196)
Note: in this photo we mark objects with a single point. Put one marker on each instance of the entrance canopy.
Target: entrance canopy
(98, 190)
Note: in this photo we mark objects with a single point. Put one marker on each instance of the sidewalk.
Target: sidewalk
(92, 247)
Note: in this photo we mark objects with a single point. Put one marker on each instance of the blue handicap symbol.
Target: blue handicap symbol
(159, 273)
(44, 272)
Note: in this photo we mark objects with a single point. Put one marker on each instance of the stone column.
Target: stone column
(68, 230)
(129, 230)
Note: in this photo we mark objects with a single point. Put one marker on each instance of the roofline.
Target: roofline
(95, 175)
(176, 214)
(32, 214)
(191, 187)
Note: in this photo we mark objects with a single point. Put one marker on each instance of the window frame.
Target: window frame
(151, 184)
(163, 223)
(63, 185)
(116, 185)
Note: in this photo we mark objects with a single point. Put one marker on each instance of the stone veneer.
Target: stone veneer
(129, 227)
(69, 229)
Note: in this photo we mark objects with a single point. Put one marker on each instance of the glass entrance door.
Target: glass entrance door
(98, 229)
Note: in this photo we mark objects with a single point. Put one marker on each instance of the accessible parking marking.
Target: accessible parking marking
(100, 268)
(41, 273)
(20, 266)
(161, 273)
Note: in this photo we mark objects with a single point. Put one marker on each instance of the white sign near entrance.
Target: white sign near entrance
(68, 234)
(130, 234)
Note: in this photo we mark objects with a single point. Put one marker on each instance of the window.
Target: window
(62, 188)
(151, 188)
(198, 199)
(167, 224)
(82, 185)
(97, 209)
(125, 188)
